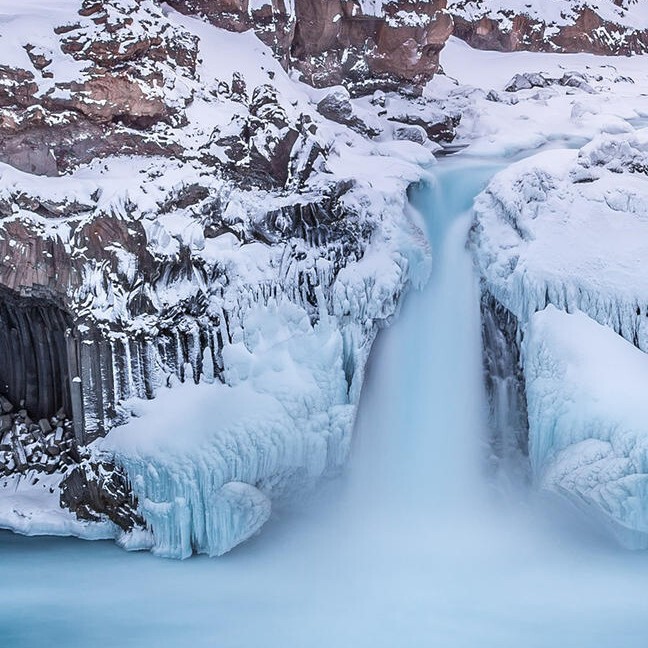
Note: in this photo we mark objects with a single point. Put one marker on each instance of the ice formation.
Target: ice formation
(560, 241)
(588, 413)
(570, 228)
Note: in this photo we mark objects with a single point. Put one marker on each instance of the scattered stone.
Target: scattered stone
(576, 80)
(336, 106)
(412, 133)
(28, 447)
(527, 81)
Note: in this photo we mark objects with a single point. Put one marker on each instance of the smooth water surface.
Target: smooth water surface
(414, 548)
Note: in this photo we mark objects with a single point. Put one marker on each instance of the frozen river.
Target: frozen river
(414, 548)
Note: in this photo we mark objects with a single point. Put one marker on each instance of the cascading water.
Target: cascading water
(410, 551)
(422, 425)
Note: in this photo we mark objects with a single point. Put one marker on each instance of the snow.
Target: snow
(282, 419)
(518, 122)
(29, 505)
(588, 434)
(561, 227)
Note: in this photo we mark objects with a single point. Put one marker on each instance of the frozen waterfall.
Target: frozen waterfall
(410, 550)
(422, 424)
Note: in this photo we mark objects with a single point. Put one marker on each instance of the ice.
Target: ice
(560, 232)
(417, 555)
(588, 418)
(205, 461)
(566, 228)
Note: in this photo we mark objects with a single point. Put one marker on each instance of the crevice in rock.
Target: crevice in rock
(505, 385)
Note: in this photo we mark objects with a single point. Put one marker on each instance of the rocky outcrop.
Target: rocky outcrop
(606, 28)
(360, 44)
(94, 90)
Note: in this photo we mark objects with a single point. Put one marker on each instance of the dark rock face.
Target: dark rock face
(94, 490)
(34, 339)
(333, 42)
(336, 44)
(513, 32)
(505, 385)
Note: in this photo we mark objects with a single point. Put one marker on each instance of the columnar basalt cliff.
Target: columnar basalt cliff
(170, 216)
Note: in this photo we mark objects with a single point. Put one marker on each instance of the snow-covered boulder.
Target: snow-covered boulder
(570, 228)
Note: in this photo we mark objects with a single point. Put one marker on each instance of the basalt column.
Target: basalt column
(34, 368)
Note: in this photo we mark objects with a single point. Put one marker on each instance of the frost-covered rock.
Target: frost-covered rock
(567, 232)
(570, 228)
(215, 296)
(588, 419)
(597, 26)
(84, 78)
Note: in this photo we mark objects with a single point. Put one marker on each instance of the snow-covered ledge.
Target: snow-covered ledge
(566, 231)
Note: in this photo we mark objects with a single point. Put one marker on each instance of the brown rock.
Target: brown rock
(588, 33)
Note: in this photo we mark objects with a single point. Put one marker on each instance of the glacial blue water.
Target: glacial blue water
(413, 548)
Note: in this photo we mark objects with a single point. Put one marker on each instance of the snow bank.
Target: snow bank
(570, 228)
(588, 418)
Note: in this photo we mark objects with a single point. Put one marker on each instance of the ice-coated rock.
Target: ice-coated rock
(570, 228)
(560, 241)
(588, 419)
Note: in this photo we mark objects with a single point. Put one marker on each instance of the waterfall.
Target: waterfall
(423, 424)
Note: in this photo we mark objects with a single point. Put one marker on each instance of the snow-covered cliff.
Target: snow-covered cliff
(188, 217)
(561, 242)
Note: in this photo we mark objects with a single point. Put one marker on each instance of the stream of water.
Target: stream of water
(414, 548)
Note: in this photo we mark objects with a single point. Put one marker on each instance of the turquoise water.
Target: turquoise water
(414, 547)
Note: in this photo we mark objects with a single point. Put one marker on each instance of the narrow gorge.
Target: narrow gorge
(350, 294)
